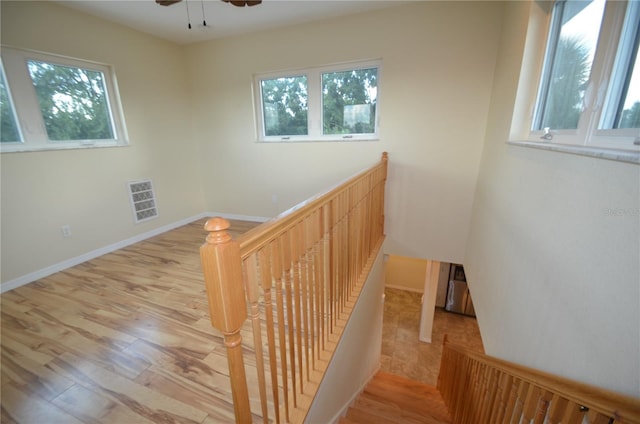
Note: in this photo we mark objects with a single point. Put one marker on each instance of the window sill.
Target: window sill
(317, 140)
(628, 156)
(50, 148)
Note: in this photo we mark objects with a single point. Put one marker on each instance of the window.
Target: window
(336, 103)
(9, 132)
(53, 102)
(589, 92)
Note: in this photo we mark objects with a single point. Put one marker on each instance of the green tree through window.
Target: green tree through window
(567, 85)
(349, 101)
(73, 102)
(285, 106)
(9, 127)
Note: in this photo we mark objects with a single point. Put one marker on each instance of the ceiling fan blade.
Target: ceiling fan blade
(167, 2)
(243, 3)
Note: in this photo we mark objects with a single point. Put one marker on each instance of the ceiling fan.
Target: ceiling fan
(233, 2)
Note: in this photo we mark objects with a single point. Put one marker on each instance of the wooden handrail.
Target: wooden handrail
(482, 389)
(296, 278)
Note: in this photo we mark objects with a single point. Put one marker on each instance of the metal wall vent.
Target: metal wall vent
(143, 200)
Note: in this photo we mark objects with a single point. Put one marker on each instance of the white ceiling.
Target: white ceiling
(222, 19)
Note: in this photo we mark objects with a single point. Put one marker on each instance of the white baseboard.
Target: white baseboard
(61, 266)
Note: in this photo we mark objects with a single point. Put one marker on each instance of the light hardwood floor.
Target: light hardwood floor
(126, 338)
(392, 399)
(123, 338)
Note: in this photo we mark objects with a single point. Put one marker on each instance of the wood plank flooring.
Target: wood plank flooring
(124, 338)
(390, 398)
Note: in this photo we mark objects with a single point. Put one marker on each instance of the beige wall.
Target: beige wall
(437, 68)
(87, 189)
(405, 273)
(554, 277)
(434, 54)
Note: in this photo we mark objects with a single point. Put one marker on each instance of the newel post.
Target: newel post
(222, 268)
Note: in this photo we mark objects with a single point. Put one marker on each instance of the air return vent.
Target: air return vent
(143, 200)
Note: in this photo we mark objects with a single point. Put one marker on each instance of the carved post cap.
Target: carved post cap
(217, 228)
(385, 156)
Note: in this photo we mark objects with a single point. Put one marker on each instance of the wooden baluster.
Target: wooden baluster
(504, 399)
(557, 409)
(267, 280)
(251, 287)
(310, 243)
(346, 249)
(336, 246)
(519, 404)
(278, 272)
(448, 382)
(385, 167)
(543, 407)
(317, 278)
(531, 403)
(222, 268)
(327, 277)
(366, 217)
(288, 293)
(341, 251)
(469, 404)
(304, 286)
(484, 400)
(497, 393)
(460, 385)
(511, 402)
(335, 264)
(595, 417)
(355, 237)
(574, 414)
(297, 301)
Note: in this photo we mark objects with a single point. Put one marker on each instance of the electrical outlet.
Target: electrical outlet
(274, 198)
(66, 231)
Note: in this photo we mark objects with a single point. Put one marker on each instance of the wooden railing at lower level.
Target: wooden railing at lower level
(480, 389)
(295, 278)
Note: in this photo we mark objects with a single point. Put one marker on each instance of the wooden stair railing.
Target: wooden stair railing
(480, 389)
(296, 278)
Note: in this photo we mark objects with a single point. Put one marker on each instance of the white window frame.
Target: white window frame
(314, 103)
(600, 94)
(27, 109)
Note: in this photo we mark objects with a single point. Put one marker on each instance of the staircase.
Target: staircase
(389, 398)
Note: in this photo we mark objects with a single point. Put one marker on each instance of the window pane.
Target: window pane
(284, 106)
(73, 102)
(629, 115)
(9, 128)
(569, 63)
(349, 101)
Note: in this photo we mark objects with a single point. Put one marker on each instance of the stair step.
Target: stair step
(389, 398)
